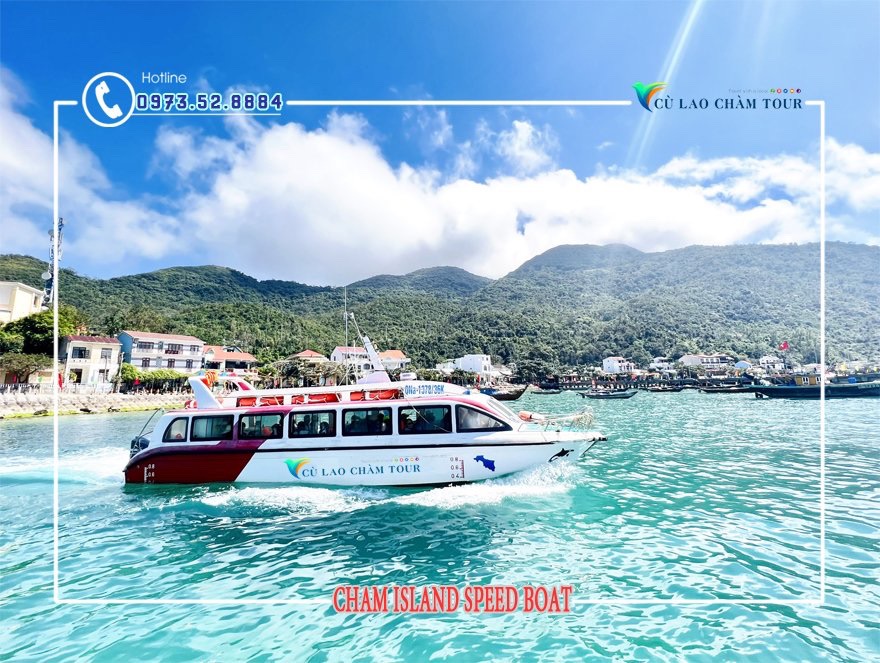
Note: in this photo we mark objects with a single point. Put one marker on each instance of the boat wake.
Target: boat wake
(95, 466)
(540, 482)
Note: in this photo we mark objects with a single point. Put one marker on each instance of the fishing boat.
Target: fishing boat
(375, 433)
(509, 393)
(545, 392)
(663, 389)
(726, 389)
(809, 386)
(609, 394)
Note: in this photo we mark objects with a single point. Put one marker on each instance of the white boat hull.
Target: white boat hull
(404, 466)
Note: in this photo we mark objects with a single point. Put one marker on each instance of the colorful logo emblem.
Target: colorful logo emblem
(295, 466)
(646, 92)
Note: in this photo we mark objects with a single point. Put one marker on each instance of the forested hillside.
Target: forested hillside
(570, 305)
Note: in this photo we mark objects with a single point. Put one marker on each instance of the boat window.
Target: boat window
(176, 430)
(260, 426)
(425, 419)
(212, 428)
(313, 424)
(367, 421)
(470, 420)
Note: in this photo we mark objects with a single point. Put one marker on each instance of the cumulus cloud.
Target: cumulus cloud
(326, 206)
(110, 227)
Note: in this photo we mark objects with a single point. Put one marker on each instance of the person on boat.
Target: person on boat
(357, 425)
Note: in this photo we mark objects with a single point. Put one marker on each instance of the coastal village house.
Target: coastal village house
(661, 364)
(771, 364)
(709, 362)
(90, 360)
(309, 356)
(357, 358)
(394, 360)
(149, 352)
(479, 364)
(228, 358)
(617, 365)
(353, 356)
(18, 300)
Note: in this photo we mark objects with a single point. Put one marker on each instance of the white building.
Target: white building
(309, 357)
(479, 364)
(617, 365)
(228, 358)
(394, 360)
(18, 300)
(353, 356)
(661, 364)
(90, 360)
(446, 366)
(709, 362)
(149, 351)
(771, 363)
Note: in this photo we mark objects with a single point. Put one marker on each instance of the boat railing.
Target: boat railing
(579, 421)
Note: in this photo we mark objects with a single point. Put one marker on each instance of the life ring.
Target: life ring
(190, 404)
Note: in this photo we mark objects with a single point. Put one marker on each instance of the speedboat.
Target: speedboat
(377, 433)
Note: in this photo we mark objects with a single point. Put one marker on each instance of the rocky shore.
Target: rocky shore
(14, 405)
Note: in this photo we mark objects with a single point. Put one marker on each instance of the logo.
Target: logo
(295, 466)
(108, 99)
(646, 92)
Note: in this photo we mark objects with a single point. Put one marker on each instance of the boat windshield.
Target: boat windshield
(506, 411)
(151, 422)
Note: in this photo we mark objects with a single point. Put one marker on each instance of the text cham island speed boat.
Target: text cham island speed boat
(378, 433)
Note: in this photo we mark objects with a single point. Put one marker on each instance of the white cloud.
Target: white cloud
(527, 149)
(110, 227)
(604, 145)
(326, 206)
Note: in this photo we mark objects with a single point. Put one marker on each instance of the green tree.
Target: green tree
(10, 341)
(37, 329)
(23, 365)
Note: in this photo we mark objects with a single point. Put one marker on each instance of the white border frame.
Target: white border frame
(56, 594)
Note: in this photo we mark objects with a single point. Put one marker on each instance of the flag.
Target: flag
(783, 345)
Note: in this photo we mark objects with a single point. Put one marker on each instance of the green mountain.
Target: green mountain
(441, 281)
(570, 305)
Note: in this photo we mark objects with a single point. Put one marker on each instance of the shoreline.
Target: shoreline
(28, 406)
(40, 415)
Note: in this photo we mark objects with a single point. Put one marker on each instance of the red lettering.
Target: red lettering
(338, 605)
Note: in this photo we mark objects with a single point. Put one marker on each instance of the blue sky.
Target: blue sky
(482, 188)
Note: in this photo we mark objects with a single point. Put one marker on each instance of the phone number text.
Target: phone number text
(209, 102)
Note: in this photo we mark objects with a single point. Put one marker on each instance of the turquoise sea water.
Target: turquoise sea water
(692, 497)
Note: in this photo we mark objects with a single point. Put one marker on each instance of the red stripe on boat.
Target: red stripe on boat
(188, 467)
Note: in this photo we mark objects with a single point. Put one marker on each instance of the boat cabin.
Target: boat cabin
(358, 419)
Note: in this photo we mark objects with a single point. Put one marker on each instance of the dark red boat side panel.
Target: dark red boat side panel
(189, 467)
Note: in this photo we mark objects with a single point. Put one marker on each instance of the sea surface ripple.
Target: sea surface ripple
(693, 497)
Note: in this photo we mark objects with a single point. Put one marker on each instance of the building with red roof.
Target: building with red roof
(228, 358)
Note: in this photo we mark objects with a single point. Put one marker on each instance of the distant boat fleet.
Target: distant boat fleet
(800, 386)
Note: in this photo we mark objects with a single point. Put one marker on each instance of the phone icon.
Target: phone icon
(114, 111)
